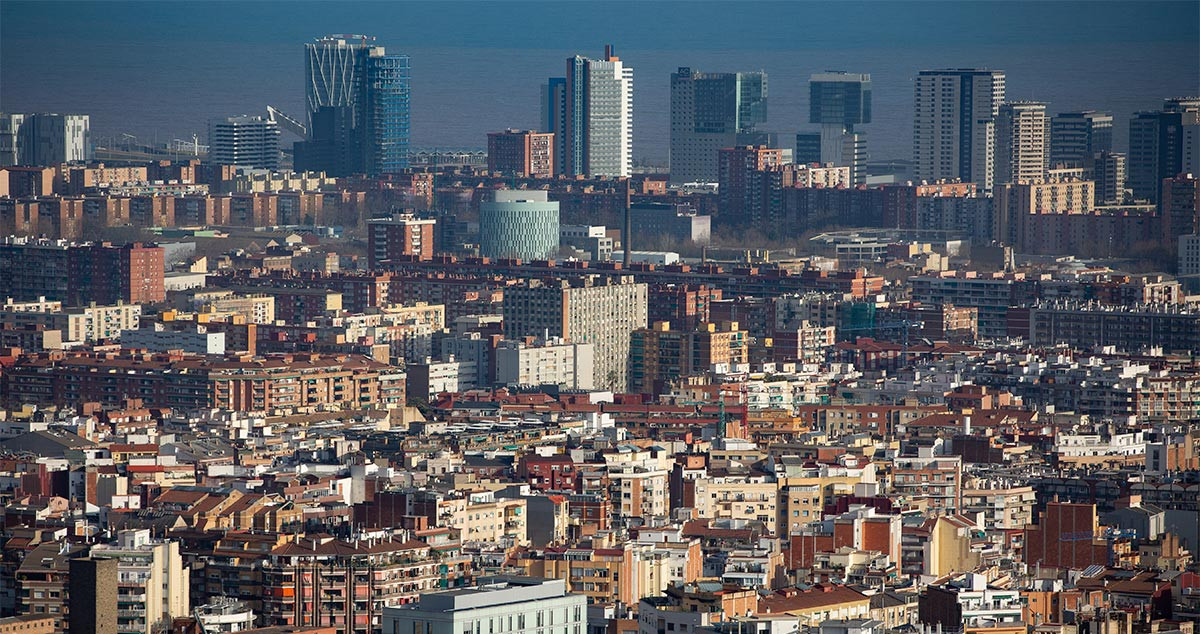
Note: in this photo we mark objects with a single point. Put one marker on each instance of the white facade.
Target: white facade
(1021, 151)
(158, 339)
(152, 582)
(244, 140)
(593, 112)
(509, 605)
(954, 125)
(553, 362)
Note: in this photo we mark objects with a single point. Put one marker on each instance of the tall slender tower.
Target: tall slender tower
(592, 109)
(838, 101)
(1021, 142)
(954, 124)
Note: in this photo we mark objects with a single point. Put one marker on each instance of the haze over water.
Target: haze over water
(161, 70)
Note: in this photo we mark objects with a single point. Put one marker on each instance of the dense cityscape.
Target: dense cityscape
(298, 374)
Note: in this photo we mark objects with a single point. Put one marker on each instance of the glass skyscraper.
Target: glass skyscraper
(711, 111)
(358, 107)
(838, 101)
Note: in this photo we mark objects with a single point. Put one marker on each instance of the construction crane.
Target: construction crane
(286, 122)
(902, 325)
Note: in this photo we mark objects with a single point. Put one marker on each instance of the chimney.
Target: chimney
(608, 52)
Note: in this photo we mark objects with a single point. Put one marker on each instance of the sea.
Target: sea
(159, 71)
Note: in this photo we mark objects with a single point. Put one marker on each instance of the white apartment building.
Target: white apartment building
(552, 362)
(152, 582)
(501, 605)
(1021, 151)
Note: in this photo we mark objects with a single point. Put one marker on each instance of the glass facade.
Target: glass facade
(387, 125)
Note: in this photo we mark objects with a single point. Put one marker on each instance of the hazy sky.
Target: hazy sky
(164, 68)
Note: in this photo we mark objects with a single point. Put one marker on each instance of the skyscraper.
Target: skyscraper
(358, 107)
(838, 101)
(710, 111)
(1077, 137)
(1021, 142)
(593, 111)
(247, 141)
(44, 139)
(954, 124)
(1159, 145)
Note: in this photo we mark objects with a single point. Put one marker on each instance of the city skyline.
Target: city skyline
(1120, 80)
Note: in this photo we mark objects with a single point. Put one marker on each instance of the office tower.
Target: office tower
(521, 153)
(10, 146)
(1021, 142)
(954, 125)
(1108, 170)
(1180, 207)
(838, 101)
(244, 141)
(93, 596)
(741, 180)
(1077, 137)
(710, 111)
(593, 108)
(1159, 145)
(398, 237)
(44, 139)
(598, 310)
(358, 108)
(518, 224)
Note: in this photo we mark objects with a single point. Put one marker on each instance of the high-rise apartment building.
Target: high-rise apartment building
(745, 177)
(838, 101)
(244, 141)
(1021, 142)
(1159, 145)
(44, 139)
(954, 125)
(1180, 207)
(593, 108)
(710, 111)
(659, 354)
(152, 585)
(1108, 170)
(521, 153)
(358, 107)
(602, 311)
(1077, 137)
(518, 224)
(398, 237)
(79, 274)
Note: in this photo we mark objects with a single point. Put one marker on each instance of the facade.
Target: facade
(519, 224)
(658, 355)
(599, 311)
(358, 108)
(501, 604)
(398, 237)
(1021, 142)
(552, 362)
(838, 102)
(1180, 206)
(94, 596)
(954, 125)
(152, 585)
(1158, 147)
(593, 106)
(1173, 327)
(673, 222)
(710, 111)
(1077, 137)
(156, 338)
(1109, 170)
(1066, 536)
(44, 139)
(79, 274)
(244, 141)
(1189, 254)
(745, 176)
(84, 324)
(521, 153)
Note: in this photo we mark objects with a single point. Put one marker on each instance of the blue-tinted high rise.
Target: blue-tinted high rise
(387, 105)
(358, 108)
